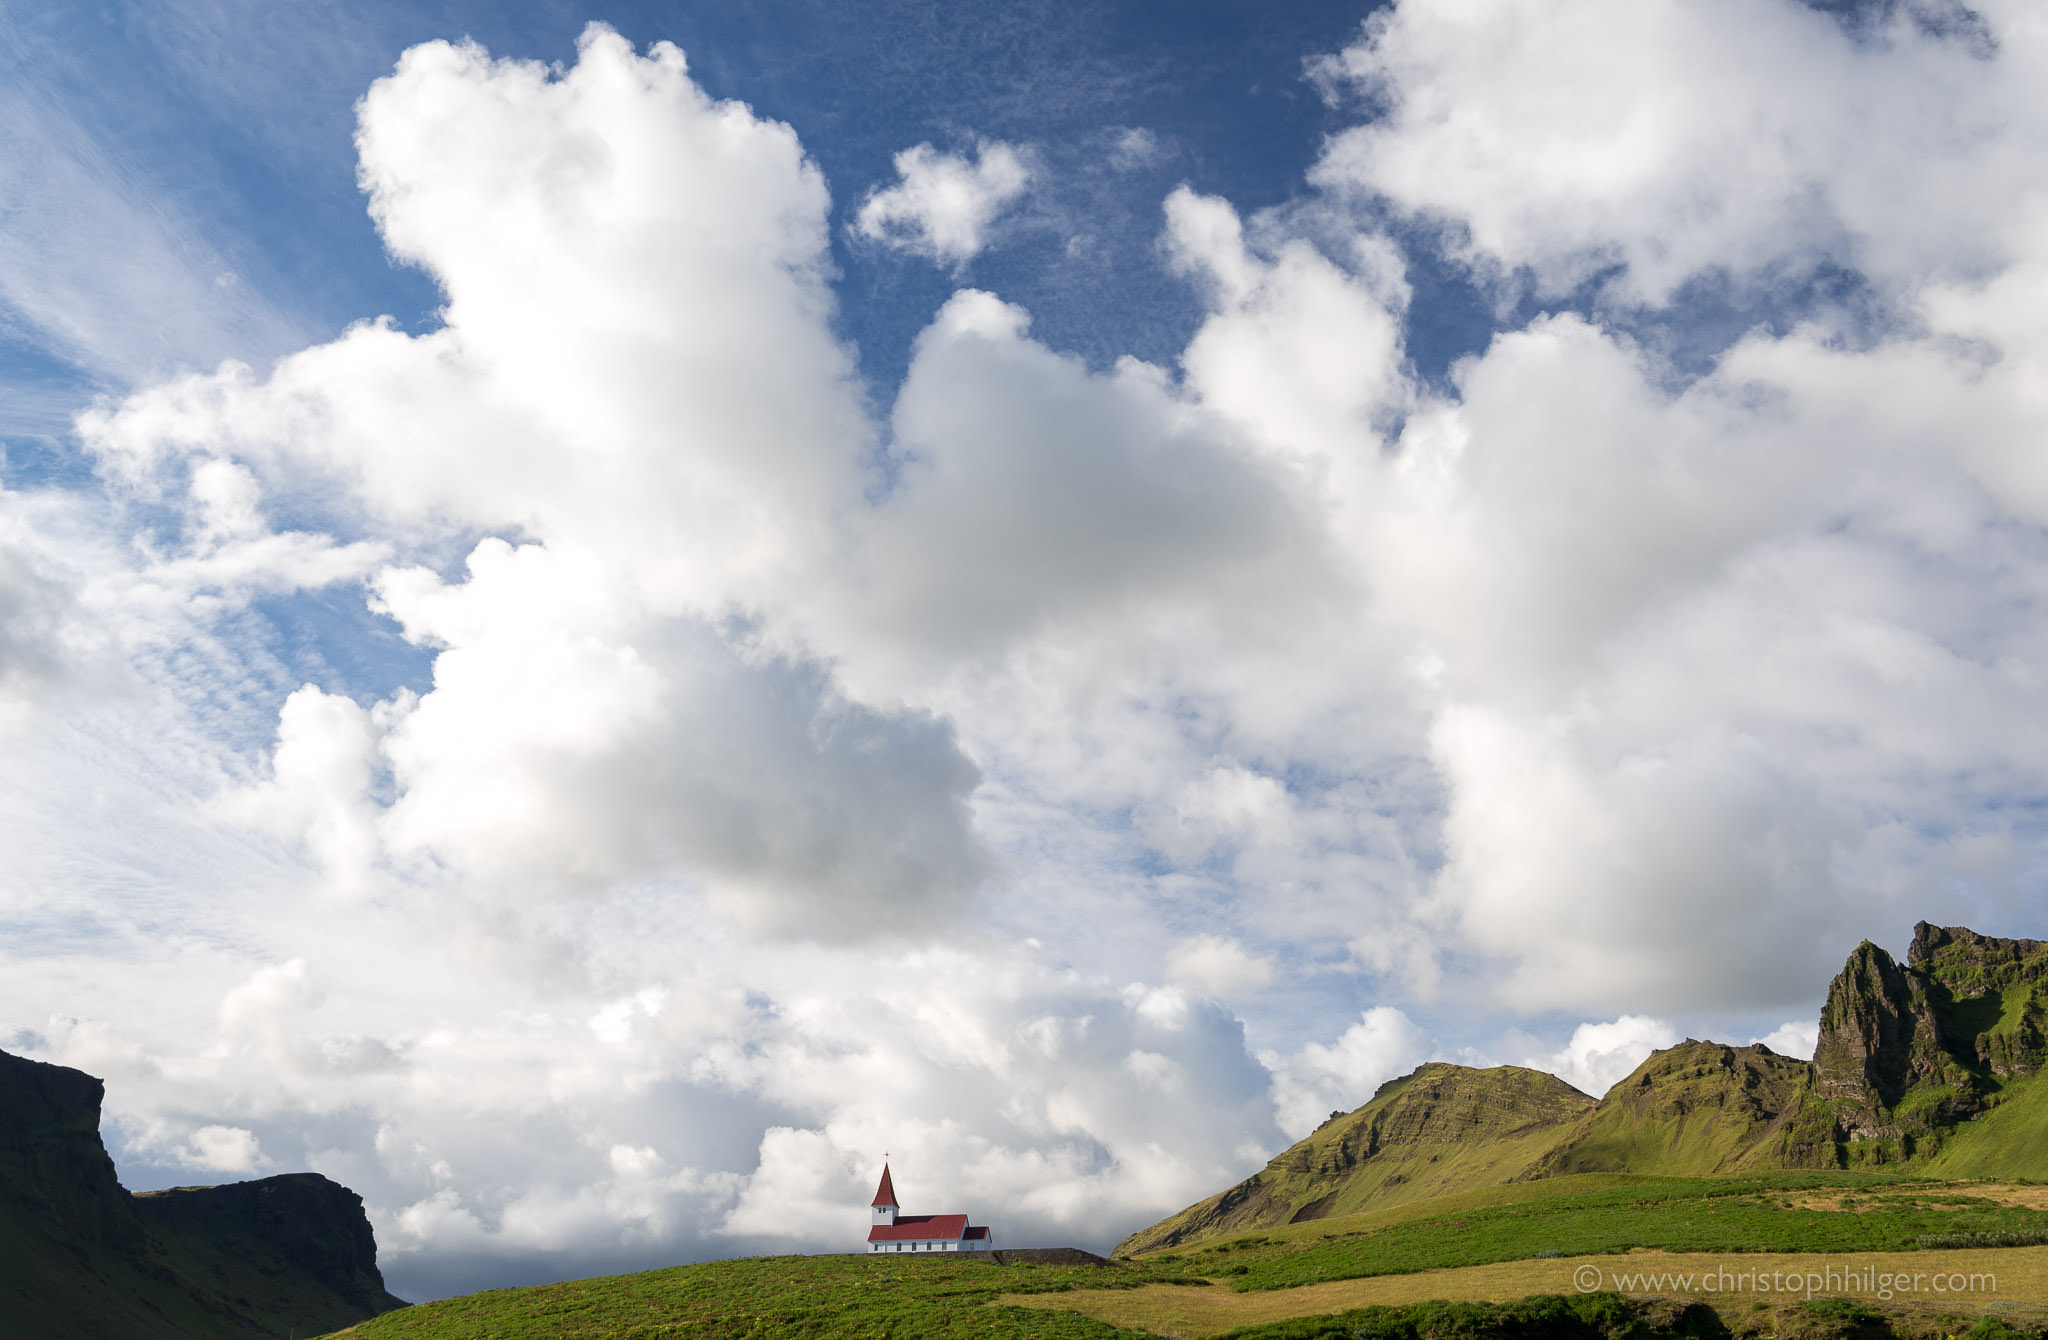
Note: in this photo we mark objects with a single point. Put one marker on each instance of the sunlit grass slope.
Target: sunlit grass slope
(2010, 1140)
(1441, 1129)
(2021, 1273)
(1692, 1110)
(1784, 1212)
(772, 1298)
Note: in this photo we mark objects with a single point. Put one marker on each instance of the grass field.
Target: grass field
(769, 1298)
(1768, 1278)
(1777, 1213)
(1490, 1244)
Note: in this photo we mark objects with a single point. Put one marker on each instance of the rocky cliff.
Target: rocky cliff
(1908, 1052)
(81, 1259)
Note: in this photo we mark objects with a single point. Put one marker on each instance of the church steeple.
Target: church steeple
(884, 1206)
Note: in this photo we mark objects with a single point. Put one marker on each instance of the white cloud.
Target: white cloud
(1037, 500)
(317, 792)
(223, 1149)
(1218, 965)
(586, 704)
(943, 205)
(35, 605)
(1552, 855)
(1599, 1056)
(1794, 1037)
(1675, 139)
(1134, 147)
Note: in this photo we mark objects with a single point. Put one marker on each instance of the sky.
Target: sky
(607, 614)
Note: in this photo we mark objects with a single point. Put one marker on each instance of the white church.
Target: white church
(892, 1231)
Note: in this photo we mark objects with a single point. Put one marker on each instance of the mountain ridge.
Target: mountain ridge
(1933, 1063)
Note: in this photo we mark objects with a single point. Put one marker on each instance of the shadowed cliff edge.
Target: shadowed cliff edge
(83, 1259)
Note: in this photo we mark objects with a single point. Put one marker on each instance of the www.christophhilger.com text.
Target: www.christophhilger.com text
(1869, 1282)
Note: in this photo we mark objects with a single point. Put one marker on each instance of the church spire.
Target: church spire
(885, 1194)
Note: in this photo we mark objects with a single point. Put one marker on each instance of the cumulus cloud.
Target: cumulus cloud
(1217, 964)
(675, 429)
(1037, 499)
(1670, 140)
(943, 205)
(223, 1149)
(1795, 1037)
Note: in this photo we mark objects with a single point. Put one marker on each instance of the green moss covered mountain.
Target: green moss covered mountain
(1933, 1066)
(82, 1259)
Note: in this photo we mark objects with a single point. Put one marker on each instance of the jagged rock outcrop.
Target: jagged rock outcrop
(1907, 1052)
(1974, 971)
(1878, 1038)
(82, 1259)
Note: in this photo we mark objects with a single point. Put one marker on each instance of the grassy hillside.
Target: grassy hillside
(774, 1298)
(1440, 1302)
(2010, 1140)
(1696, 1109)
(1535, 1232)
(1786, 1212)
(1438, 1130)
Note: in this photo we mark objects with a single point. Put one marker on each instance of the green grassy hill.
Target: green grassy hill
(1440, 1129)
(2009, 1140)
(1696, 1109)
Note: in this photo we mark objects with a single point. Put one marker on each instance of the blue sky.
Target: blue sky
(606, 612)
(240, 118)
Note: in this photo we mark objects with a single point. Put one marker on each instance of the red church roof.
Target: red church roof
(885, 1194)
(919, 1227)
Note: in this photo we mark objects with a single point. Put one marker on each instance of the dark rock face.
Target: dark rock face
(1928, 941)
(1878, 1037)
(53, 1167)
(313, 1223)
(1907, 1052)
(81, 1259)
